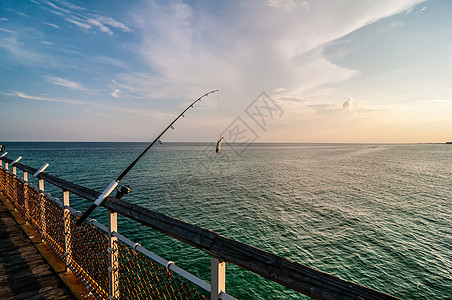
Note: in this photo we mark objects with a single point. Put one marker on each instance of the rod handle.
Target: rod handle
(110, 188)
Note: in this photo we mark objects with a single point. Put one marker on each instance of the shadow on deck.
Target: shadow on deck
(24, 274)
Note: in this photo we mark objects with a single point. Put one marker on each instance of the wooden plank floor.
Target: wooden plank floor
(24, 274)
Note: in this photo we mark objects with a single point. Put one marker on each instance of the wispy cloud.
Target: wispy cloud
(59, 9)
(20, 53)
(282, 46)
(112, 61)
(421, 10)
(112, 22)
(36, 98)
(4, 19)
(52, 25)
(85, 19)
(147, 113)
(29, 47)
(396, 24)
(97, 24)
(288, 5)
(6, 30)
(65, 82)
(391, 26)
(115, 93)
(348, 103)
(314, 108)
(23, 14)
(79, 24)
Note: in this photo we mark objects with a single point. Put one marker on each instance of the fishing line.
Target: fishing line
(218, 114)
(220, 138)
(111, 187)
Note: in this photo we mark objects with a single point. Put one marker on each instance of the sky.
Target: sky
(320, 71)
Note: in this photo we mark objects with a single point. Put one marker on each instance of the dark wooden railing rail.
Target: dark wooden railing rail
(301, 278)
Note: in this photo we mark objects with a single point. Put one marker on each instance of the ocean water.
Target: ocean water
(378, 215)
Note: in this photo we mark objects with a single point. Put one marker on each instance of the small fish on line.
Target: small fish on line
(111, 187)
(217, 150)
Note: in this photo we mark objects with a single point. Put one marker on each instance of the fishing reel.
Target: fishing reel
(125, 190)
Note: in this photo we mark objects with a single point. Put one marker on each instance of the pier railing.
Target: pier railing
(114, 267)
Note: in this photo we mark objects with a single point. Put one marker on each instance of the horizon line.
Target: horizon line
(206, 142)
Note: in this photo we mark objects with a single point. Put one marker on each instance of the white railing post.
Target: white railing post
(217, 277)
(113, 268)
(6, 165)
(67, 229)
(41, 185)
(13, 164)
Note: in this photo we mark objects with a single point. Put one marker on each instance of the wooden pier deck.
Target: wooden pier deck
(24, 273)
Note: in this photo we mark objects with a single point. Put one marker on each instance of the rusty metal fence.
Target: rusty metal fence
(114, 267)
(110, 265)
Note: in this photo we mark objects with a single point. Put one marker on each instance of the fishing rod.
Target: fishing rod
(115, 183)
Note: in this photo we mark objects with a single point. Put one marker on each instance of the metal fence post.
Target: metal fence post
(67, 229)
(113, 268)
(42, 208)
(14, 191)
(217, 277)
(25, 177)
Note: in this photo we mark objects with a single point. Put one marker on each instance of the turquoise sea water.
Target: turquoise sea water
(378, 215)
